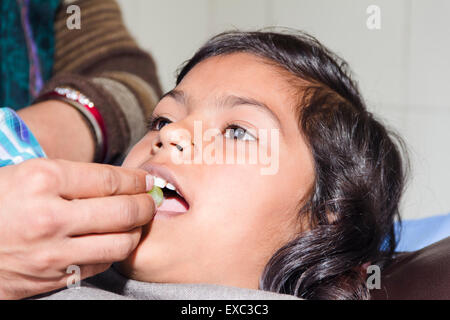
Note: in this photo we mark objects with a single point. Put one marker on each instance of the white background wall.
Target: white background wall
(403, 69)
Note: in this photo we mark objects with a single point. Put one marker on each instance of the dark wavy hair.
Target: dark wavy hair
(359, 169)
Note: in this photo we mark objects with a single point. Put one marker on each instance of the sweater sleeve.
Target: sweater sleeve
(103, 61)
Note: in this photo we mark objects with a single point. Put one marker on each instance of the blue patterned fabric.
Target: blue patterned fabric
(17, 143)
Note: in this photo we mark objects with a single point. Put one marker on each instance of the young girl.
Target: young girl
(310, 228)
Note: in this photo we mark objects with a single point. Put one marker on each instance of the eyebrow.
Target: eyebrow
(178, 95)
(227, 101)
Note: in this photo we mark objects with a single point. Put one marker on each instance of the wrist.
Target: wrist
(90, 114)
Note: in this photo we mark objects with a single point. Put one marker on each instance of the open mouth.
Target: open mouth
(173, 201)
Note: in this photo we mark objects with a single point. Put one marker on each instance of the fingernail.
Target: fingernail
(148, 182)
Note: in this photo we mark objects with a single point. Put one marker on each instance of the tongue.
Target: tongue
(174, 204)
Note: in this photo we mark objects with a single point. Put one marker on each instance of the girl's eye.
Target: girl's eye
(238, 133)
(158, 123)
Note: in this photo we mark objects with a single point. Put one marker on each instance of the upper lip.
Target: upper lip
(166, 174)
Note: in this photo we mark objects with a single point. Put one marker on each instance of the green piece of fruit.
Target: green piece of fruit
(157, 195)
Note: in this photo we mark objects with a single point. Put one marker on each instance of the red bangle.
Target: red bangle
(90, 112)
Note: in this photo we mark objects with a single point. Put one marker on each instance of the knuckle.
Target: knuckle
(45, 224)
(128, 213)
(140, 180)
(110, 179)
(40, 174)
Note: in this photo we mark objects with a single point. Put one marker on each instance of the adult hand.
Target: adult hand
(57, 213)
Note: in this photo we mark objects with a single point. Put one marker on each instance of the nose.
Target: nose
(172, 136)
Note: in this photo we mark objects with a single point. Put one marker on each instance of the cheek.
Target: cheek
(245, 201)
(138, 153)
(264, 206)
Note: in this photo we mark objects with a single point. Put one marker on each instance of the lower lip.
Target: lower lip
(160, 214)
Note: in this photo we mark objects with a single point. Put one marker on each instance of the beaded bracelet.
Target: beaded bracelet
(90, 112)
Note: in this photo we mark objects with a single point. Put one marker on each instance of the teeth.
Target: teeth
(170, 186)
(159, 182)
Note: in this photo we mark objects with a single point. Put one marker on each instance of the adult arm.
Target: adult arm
(102, 61)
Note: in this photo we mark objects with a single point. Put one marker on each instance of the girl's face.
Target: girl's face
(238, 214)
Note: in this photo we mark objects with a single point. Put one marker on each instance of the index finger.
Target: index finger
(90, 180)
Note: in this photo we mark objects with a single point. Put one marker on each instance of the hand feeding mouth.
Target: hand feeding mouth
(169, 197)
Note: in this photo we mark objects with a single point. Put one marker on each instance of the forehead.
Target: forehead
(240, 74)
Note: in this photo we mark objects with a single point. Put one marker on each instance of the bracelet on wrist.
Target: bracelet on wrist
(87, 108)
